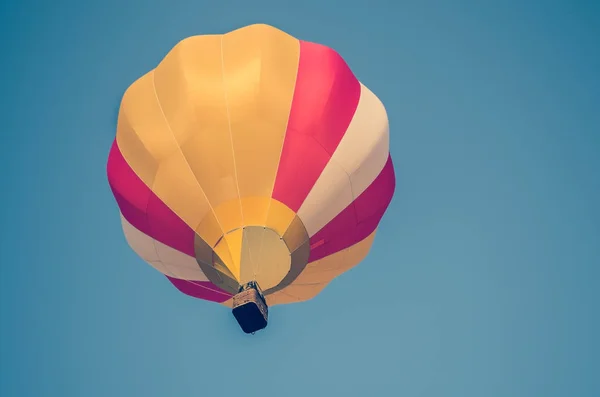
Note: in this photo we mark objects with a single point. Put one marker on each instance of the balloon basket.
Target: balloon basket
(250, 308)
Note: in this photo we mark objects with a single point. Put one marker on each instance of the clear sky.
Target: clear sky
(482, 282)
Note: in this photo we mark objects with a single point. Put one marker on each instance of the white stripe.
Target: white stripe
(358, 159)
(163, 258)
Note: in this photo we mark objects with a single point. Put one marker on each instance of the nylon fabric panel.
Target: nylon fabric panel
(280, 217)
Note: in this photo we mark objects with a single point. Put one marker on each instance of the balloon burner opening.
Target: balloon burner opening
(250, 308)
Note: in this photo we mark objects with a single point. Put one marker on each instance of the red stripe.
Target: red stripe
(147, 213)
(359, 219)
(325, 99)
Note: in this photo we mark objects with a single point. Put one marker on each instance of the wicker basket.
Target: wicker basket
(250, 309)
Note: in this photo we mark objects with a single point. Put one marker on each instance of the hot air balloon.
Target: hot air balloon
(251, 168)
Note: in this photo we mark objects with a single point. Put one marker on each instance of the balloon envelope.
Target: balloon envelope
(251, 156)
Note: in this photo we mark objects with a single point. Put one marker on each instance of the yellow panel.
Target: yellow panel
(143, 134)
(318, 274)
(229, 215)
(189, 85)
(141, 111)
(209, 229)
(175, 186)
(207, 125)
(222, 269)
(260, 64)
(134, 151)
(280, 217)
(234, 242)
(255, 210)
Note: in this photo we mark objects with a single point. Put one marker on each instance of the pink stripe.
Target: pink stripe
(131, 194)
(200, 289)
(143, 209)
(325, 99)
(359, 219)
(147, 213)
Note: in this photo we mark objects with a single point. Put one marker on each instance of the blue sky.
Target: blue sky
(481, 282)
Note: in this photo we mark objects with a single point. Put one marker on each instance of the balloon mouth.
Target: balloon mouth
(250, 308)
(271, 249)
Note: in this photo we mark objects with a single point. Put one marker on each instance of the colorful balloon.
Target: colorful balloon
(251, 156)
